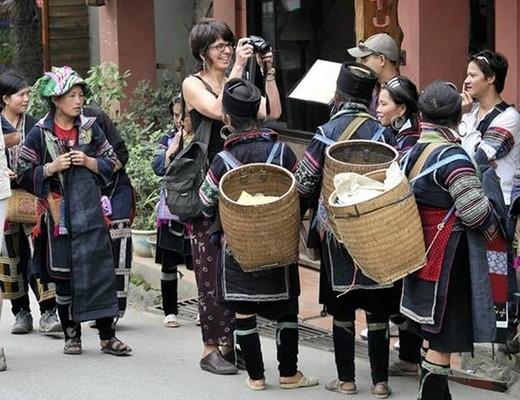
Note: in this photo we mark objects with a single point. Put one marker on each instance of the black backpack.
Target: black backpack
(185, 174)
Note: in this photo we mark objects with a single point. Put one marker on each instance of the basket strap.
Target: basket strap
(273, 152)
(439, 164)
(378, 133)
(229, 160)
(419, 164)
(352, 128)
(416, 172)
(324, 139)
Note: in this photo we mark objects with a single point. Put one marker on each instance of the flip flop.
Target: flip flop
(336, 386)
(396, 369)
(254, 386)
(305, 381)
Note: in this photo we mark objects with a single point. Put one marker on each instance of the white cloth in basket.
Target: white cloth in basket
(352, 188)
(247, 199)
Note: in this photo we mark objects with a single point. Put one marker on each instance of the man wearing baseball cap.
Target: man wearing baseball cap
(380, 53)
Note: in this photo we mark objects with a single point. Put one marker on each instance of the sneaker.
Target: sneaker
(49, 322)
(170, 321)
(23, 323)
(381, 390)
(3, 362)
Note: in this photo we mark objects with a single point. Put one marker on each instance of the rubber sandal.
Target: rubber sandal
(170, 321)
(337, 386)
(381, 390)
(72, 347)
(305, 381)
(254, 386)
(115, 347)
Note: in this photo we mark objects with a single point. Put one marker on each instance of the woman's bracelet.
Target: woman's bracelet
(46, 171)
(270, 75)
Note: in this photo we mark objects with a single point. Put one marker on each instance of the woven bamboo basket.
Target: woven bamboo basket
(359, 156)
(260, 236)
(383, 235)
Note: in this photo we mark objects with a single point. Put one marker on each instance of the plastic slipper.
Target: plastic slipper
(397, 369)
(115, 347)
(305, 381)
(170, 321)
(338, 387)
(254, 386)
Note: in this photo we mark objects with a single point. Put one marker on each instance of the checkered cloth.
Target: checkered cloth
(59, 81)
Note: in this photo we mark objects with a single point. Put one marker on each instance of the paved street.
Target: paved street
(164, 365)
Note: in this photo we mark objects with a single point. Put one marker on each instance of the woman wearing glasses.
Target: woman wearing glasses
(212, 44)
(490, 131)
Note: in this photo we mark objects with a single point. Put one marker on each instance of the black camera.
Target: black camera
(259, 44)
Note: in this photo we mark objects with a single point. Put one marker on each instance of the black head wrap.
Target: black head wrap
(356, 80)
(241, 98)
(440, 103)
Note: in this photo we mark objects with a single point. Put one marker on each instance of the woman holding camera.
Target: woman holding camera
(212, 44)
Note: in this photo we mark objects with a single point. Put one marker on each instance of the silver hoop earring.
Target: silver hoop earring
(225, 131)
(462, 131)
(397, 122)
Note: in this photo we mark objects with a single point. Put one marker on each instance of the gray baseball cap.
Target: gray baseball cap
(380, 43)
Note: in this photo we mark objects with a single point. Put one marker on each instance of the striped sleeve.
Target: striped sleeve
(473, 207)
(497, 142)
(208, 193)
(310, 168)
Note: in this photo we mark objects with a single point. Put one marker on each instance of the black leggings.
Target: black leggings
(72, 329)
(343, 332)
(286, 346)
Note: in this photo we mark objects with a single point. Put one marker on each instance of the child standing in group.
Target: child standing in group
(173, 244)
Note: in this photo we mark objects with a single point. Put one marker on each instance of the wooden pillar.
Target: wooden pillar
(234, 13)
(127, 38)
(435, 40)
(507, 41)
(377, 16)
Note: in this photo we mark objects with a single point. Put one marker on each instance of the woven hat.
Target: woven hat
(380, 43)
(59, 81)
(356, 80)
